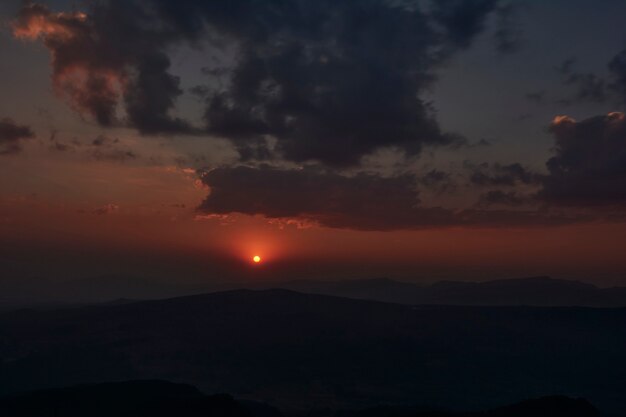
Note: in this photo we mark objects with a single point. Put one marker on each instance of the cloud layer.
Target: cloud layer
(588, 170)
(329, 81)
(326, 83)
(589, 165)
(105, 57)
(11, 134)
(361, 202)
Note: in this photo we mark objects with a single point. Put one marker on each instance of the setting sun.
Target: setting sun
(256, 259)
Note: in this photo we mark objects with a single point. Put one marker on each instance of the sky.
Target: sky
(416, 140)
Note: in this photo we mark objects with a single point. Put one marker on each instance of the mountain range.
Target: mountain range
(166, 399)
(292, 350)
(534, 291)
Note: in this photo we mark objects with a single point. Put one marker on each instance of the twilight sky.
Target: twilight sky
(420, 140)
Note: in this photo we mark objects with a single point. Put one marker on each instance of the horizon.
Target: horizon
(538, 291)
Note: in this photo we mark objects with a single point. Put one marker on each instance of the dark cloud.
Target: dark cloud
(338, 80)
(537, 96)
(435, 177)
(522, 117)
(365, 201)
(11, 134)
(588, 170)
(617, 69)
(462, 19)
(115, 52)
(588, 87)
(361, 202)
(61, 147)
(105, 141)
(151, 95)
(80, 73)
(502, 198)
(106, 209)
(102, 148)
(508, 34)
(329, 80)
(500, 175)
(589, 166)
(118, 155)
(200, 91)
(566, 67)
(438, 181)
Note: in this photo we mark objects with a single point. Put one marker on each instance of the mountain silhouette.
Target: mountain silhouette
(553, 406)
(286, 348)
(129, 399)
(536, 291)
(166, 399)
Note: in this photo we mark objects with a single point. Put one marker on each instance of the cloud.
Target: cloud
(339, 80)
(365, 201)
(106, 209)
(11, 134)
(587, 171)
(502, 198)
(80, 74)
(537, 97)
(589, 165)
(500, 175)
(328, 80)
(617, 68)
(462, 19)
(508, 34)
(103, 57)
(587, 86)
(360, 202)
(106, 148)
(102, 148)
(438, 181)
(590, 87)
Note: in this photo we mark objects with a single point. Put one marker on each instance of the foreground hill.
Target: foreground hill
(293, 349)
(129, 399)
(555, 406)
(164, 399)
(537, 291)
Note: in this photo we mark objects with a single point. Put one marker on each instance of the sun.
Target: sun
(256, 259)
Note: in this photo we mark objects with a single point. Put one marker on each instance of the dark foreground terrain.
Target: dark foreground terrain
(293, 350)
(129, 399)
(164, 399)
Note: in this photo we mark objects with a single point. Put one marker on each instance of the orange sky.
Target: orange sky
(172, 233)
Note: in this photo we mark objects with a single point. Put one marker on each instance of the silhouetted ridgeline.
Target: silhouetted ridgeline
(538, 291)
(129, 399)
(291, 349)
(165, 399)
(555, 406)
